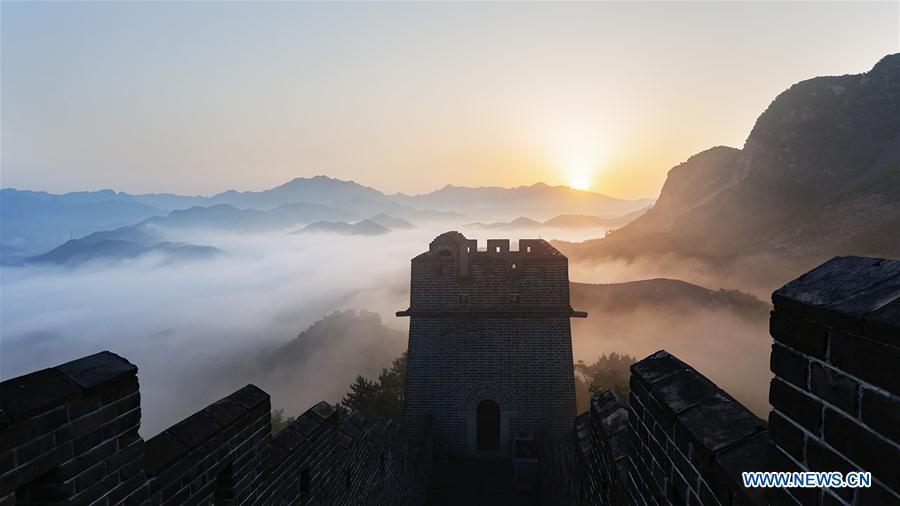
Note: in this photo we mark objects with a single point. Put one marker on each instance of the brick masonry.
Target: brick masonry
(836, 392)
(69, 435)
(680, 440)
(492, 325)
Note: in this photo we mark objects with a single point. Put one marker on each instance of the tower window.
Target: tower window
(497, 249)
(514, 298)
(527, 249)
(463, 298)
(513, 266)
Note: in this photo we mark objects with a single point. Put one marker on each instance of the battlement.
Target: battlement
(455, 277)
(835, 401)
(456, 244)
(69, 435)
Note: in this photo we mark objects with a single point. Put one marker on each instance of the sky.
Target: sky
(200, 97)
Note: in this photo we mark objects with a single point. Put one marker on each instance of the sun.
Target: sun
(580, 173)
(580, 165)
(579, 181)
(578, 156)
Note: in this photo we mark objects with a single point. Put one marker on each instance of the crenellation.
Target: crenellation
(80, 444)
(678, 439)
(834, 409)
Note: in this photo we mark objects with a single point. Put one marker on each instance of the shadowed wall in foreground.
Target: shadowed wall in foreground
(835, 400)
(69, 435)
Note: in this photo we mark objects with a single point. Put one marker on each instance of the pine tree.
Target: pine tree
(363, 395)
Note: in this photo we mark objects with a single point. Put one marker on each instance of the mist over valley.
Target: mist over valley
(300, 315)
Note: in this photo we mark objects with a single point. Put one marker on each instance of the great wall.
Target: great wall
(69, 434)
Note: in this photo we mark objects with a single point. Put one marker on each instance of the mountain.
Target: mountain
(120, 244)
(819, 176)
(364, 227)
(667, 295)
(724, 333)
(144, 237)
(168, 201)
(350, 196)
(228, 217)
(336, 348)
(539, 200)
(519, 223)
(37, 222)
(391, 222)
(314, 190)
(571, 221)
(33, 222)
(587, 221)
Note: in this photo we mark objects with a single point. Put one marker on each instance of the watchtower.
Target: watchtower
(490, 344)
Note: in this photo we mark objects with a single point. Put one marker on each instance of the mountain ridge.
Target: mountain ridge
(817, 177)
(568, 221)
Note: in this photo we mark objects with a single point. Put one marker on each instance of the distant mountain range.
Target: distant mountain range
(570, 221)
(120, 244)
(391, 222)
(228, 217)
(539, 200)
(819, 176)
(364, 227)
(35, 222)
(144, 237)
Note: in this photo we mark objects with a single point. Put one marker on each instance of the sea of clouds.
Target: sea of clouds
(197, 329)
(186, 324)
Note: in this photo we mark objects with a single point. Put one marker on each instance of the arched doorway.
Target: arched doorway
(487, 426)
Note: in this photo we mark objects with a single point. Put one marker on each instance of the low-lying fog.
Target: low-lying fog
(200, 330)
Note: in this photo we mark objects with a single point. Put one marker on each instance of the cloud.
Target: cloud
(178, 321)
(197, 330)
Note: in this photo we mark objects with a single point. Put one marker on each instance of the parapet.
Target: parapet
(69, 435)
(835, 404)
(455, 244)
(694, 432)
(455, 277)
(57, 423)
(836, 393)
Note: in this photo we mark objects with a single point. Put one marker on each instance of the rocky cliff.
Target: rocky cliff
(818, 176)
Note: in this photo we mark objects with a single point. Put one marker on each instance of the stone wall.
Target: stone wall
(690, 440)
(836, 393)
(69, 435)
(680, 440)
(522, 364)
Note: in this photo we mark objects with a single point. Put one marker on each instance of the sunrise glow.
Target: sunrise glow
(579, 181)
(581, 165)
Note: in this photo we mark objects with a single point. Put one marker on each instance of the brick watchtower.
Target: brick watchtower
(490, 345)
